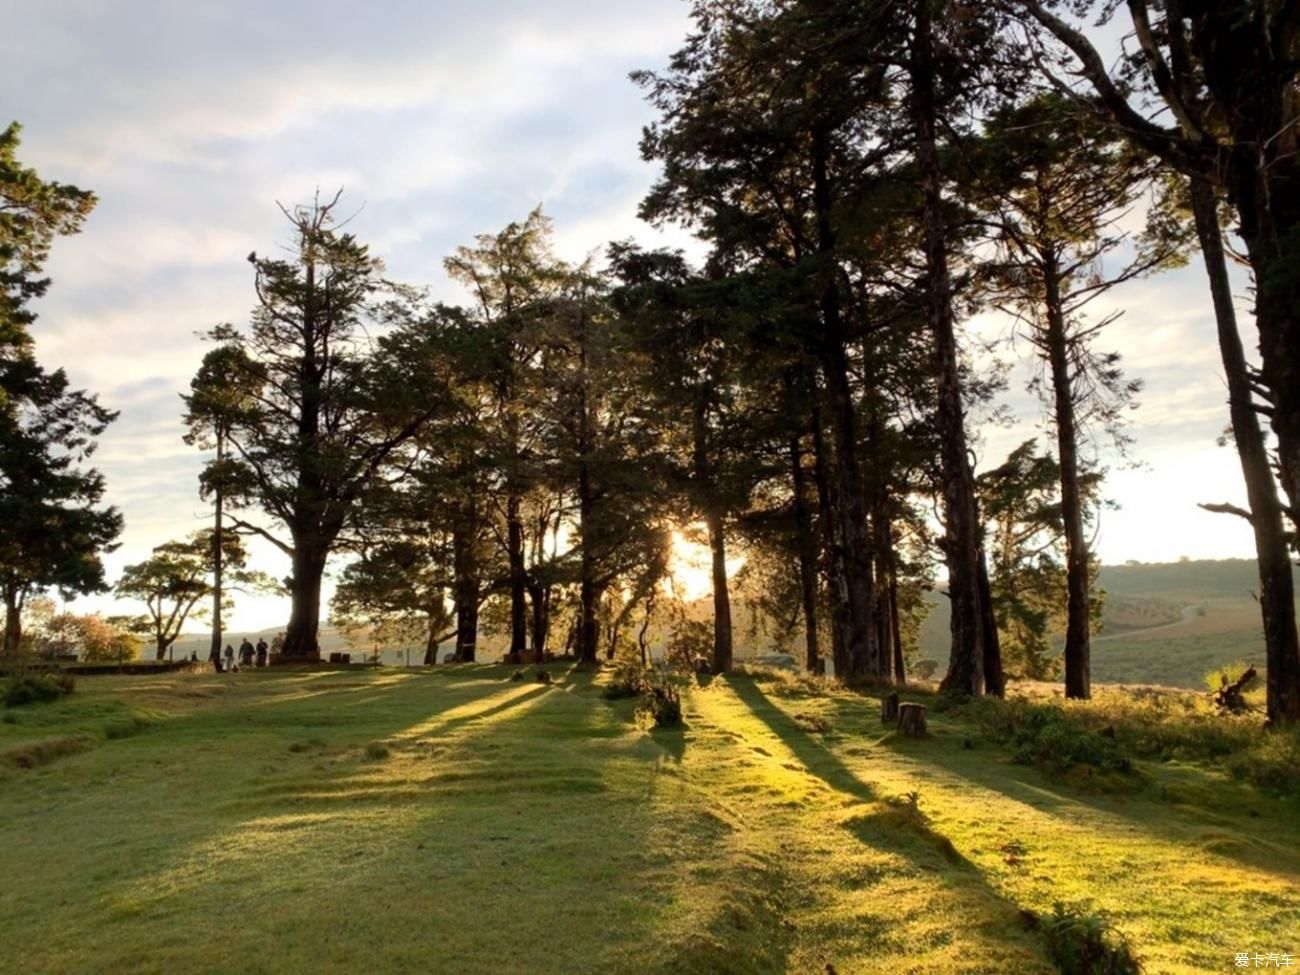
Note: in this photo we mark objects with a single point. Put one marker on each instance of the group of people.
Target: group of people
(247, 654)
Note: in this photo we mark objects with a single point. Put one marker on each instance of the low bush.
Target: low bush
(1081, 943)
(1044, 735)
(33, 754)
(661, 706)
(627, 680)
(1120, 724)
(812, 722)
(30, 688)
(925, 669)
(1228, 674)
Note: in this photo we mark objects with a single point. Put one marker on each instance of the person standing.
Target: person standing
(230, 657)
(246, 653)
(261, 651)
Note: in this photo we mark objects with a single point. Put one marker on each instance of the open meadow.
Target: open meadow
(454, 820)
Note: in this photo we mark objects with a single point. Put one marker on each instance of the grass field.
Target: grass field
(382, 821)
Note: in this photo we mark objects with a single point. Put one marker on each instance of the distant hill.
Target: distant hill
(1164, 622)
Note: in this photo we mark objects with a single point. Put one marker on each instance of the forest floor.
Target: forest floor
(398, 821)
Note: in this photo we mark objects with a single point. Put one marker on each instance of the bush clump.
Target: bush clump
(1043, 735)
(29, 688)
(661, 706)
(1081, 943)
(627, 680)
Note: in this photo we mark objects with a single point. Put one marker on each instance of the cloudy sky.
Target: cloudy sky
(441, 120)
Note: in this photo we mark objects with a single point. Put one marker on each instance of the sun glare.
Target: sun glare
(690, 573)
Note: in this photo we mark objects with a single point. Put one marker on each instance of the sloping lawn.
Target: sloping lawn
(455, 821)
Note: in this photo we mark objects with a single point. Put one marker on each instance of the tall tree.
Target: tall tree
(219, 398)
(511, 275)
(1058, 188)
(1226, 72)
(53, 527)
(326, 414)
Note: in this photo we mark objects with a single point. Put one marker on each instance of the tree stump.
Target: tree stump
(889, 709)
(911, 720)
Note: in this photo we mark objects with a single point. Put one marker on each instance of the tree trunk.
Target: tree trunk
(807, 546)
(13, 620)
(160, 648)
(588, 620)
(889, 709)
(1276, 585)
(431, 642)
(961, 546)
(995, 682)
(900, 667)
(1078, 652)
(855, 588)
(826, 508)
(722, 646)
(518, 578)
(911, 720)
(714, 518)
(1266, 193)
(302, 636)
(467, 586)
(218, 555)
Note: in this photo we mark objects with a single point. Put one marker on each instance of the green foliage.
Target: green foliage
(628, 679)
(53, 527)
(661, 704)
(1084, 943)
(1044, 736)
(1229, 674)
(176, 577)
(925, 668)
(1020, 501)
(31, 688)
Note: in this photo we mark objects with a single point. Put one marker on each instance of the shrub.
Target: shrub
(1081, 943)
(1045, 736)
(925, 669)
(28, 688)
(376, 751)
(627, 680)
(661, 706)
(1228, 674)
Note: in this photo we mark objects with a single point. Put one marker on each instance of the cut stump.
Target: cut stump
(889, 709)
(911, 720)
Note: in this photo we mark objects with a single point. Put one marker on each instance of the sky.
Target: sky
(441, 121)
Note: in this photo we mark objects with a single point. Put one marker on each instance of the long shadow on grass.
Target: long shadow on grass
(1172, 823)
(515, 831)
(900, 829)
(816, 757)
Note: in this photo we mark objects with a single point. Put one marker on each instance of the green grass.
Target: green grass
(388, 821)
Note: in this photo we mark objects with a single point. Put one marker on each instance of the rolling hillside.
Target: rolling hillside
(1164, 623)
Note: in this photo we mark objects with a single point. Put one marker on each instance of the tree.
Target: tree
(326, 414)
(1226, 73)
(32, 213)
(1057, 187)
(173, 580)
(511, 276)
(219, 398)
(1021, 503)
(53, 527)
